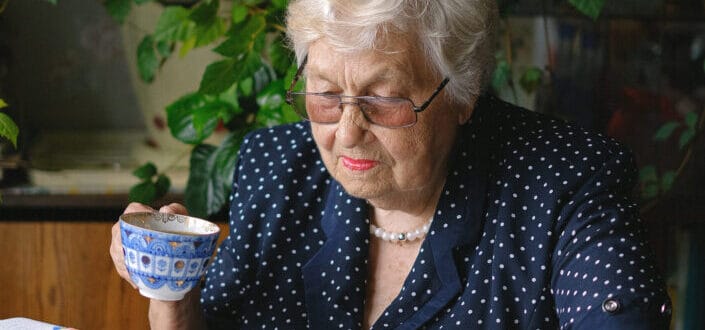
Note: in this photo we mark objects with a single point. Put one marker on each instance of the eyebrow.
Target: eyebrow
(381, 75)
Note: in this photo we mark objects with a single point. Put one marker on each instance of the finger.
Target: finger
(137, 207)
(117, 253)
(119, 262)
(175, 208)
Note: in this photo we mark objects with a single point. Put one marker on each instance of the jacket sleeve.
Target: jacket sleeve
(603, 273)
(224, 281)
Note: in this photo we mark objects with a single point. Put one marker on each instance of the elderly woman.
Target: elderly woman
(408, 200)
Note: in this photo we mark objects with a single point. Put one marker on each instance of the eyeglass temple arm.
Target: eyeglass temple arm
(296, 78)
(433, 96)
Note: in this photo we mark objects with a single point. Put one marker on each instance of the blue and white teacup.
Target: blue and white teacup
(166, 254)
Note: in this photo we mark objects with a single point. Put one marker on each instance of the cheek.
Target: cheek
(406, 150)
(324, 136)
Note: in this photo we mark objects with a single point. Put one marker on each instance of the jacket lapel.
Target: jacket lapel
(335, 278)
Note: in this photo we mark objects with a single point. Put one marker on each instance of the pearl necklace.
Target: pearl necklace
(403, 236)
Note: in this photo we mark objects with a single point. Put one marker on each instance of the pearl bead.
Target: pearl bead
(403, 236)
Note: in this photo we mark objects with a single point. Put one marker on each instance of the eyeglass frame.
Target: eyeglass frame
(290, 98)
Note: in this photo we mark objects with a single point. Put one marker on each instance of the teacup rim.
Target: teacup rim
(122, 220)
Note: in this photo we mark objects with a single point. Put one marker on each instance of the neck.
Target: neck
(412, 214)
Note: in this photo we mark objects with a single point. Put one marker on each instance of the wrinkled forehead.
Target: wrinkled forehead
(399, 57)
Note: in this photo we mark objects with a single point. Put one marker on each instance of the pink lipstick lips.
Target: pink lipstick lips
(358, 164)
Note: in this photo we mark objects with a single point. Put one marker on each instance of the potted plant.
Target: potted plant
(241, 88)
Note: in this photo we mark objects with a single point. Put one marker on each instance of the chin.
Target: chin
(363, 189)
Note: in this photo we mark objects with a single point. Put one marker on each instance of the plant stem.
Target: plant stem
(176, 161)
(279, 27)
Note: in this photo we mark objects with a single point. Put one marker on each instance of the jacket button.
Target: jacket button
(611, 305)
(665, 309)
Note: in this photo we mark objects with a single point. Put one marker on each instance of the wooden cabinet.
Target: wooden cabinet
(62, 273)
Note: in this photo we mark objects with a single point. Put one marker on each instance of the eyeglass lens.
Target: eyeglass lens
(322, 108)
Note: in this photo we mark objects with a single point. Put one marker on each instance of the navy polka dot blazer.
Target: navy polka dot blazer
(534, 230)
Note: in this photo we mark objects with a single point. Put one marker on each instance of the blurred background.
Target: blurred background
(107, 97)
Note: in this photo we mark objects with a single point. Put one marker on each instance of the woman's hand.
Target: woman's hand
(116, 251)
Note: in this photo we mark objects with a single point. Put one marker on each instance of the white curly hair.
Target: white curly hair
(457, 36)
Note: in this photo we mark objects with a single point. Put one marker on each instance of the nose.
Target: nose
(353, 127)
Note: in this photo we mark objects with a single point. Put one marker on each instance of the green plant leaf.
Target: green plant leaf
(187, 45)
(665, 131)
(200, 192)
(144, 192)
(219, 76)
(279, 55)
(211, 174)
(667, 181)
(146, 171)
(650, 191)
(118, 9)
(686, 137)
(173, 24)
(194, 117)
(590, 8)
(246, 86)
(139, 2)
(691, 118)
(206, 34)
(500, 75)
(162, 186)
(207, 25)
(206, 119)
(531, 79)
(2, 104)
(279, 4)
(243, 40)
(238, 13)
(272, 108)
(230, 97)
(205, 12)
(180, 117)
(147, 62)
(648, 174)
(8, 128)
(262, 76)
(271, 97)
(165, 48)
(289, 77)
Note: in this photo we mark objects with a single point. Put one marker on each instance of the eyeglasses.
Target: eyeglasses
(326, 108)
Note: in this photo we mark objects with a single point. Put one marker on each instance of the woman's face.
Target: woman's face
(390, 167)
